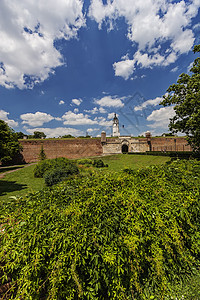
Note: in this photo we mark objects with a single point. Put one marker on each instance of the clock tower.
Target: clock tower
(115, 126)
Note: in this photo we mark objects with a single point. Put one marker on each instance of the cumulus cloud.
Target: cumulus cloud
(151, 102)
(160, 117)
(55, 132)
(4, 116)
(109, 101)
(36, 119)
(111, 115)
(124, 68)
(104, 122)
(31, 27)
(61, 102)
(150, 23)
(96, 110)
(71, 118)
(77, 101)
(93, 111)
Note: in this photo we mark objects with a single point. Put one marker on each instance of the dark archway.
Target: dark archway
(124, 148)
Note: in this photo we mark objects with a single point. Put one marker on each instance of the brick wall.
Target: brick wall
(169, 144)
(77, 148)
(73, 148)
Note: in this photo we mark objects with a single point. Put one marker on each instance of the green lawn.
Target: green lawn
(121, 161)
(19, 183)
(22, 181)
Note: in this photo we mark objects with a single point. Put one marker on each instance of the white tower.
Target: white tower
(116, 126)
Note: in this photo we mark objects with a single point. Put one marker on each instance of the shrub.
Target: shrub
(42, 155)
(50, 164)
(85, 161)
(58, 174)
(98, 163)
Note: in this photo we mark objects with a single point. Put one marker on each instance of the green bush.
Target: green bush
(98, 163)
(105, 236)
(58, 174)
(85, 161)
(49, 164)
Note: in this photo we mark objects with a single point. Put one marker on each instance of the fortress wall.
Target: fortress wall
(170, 144)
(77, 148)
(73, 148)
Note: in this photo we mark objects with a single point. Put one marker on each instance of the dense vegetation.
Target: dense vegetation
(55, 170)
(23, 181)
(9, 145)
(131, 235)
(185, 96)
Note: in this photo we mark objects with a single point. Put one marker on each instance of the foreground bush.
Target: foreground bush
(114, 236)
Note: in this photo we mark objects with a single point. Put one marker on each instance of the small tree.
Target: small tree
(9, 145)
(185, 96)
(39, 135)
(42, 155)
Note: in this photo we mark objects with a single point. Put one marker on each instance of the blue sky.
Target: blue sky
(67, 67)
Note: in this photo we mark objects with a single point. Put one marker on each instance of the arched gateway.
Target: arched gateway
(124, 148)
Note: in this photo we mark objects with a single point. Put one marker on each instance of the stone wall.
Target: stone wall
(114, 146)
(72, 148)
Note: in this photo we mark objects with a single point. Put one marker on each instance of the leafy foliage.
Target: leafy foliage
(114, 236)
(55, 170)
(42, 155)
(98, 163)
(38, 135)
(84, 161)
(9, 145)
(58, 174)
(185, 96)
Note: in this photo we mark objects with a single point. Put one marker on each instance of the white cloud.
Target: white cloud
(152, 102)
(61, 102)
(160, 117)
(96, 110)
(124, 68)
(31, 27)
(70, 118)
(102, 110)
(36, 119)
(190, 66)
(56, 132)
(150, 23)
(174, 69)
(93, 111)
(90, 130)
(77, 101)
(76, 110)
(111, 115)
(4, 117)
(109, 101)
(103, 122)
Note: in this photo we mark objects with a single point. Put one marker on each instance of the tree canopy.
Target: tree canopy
(185, 96)
(9, 145)
(39, 135)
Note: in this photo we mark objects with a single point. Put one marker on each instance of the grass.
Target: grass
(22, 181)
(121, 161)
(10, 168)
(19, 183)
